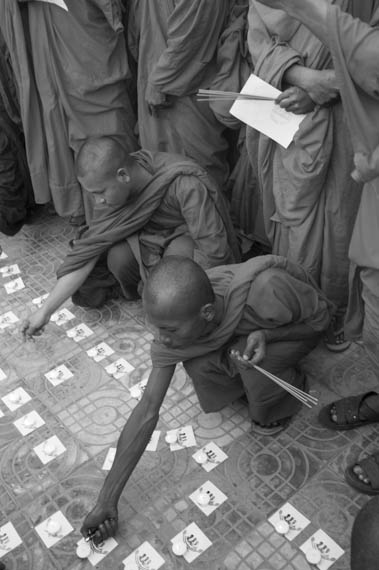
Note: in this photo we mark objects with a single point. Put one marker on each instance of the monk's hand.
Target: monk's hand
(321, 86)
(34, 324)
(101, 523)
(296, 100)
(255, 349)
(366, 166)
(155, 99)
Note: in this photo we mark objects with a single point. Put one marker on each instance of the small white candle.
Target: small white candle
(49, 448)
(313, 556)
(203, 499)
(201, 457)
(282, 527)
(135, 392)
(29, 422)
(171, 437)
(53, 527)
(83, 550)
(179, 548)
(15, 397)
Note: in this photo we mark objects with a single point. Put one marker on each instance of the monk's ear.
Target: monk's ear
(123, 175)
(207, 312)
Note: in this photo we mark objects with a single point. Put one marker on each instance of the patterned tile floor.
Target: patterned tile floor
(303, 465)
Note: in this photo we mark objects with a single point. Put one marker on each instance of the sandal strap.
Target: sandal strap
(370, 466)
(347, 409)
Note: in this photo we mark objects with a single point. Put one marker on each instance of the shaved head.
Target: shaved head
(177, 286)
(102, 155)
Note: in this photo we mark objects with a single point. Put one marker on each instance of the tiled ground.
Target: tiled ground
(304, 464)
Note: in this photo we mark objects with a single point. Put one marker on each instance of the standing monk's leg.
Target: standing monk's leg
(268, 403)
(124, 266)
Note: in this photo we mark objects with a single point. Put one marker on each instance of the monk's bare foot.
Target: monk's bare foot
(361, 475)
(365, 410)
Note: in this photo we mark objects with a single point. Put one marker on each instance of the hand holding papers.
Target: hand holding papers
(264, 115)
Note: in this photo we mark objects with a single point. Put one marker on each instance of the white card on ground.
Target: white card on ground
(101, 552)
(39, 301)
(15, 285)
(100, 351)
(58, 375)
(108, 461)
(215, 456)
(3, 255)
(8, 319)
(28, 423)
(185, 438)
(80, 332)
(2, 375)
(10, 270)
(1, 414)
(144, 557)
(195, 541)
(49, 449)
(62, 317)
(16, 399)
(265, 116)
(53, 529)
(153, 443)
(137, 390)
(119, 368)
(295, 520)
(210, 492)
(329, 550)
(9, 538)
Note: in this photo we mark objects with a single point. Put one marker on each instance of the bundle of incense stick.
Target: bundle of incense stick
(303, 397)
(212, 95)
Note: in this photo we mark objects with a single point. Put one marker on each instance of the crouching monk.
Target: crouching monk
(267, 310)
(148, 205)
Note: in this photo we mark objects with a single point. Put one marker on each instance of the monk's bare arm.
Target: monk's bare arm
(131, 445)
(64, 288)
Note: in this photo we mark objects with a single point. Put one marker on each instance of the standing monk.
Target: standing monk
(175, 44)
(266, 310)
(148, 205)
(310, 200)
(354, 45)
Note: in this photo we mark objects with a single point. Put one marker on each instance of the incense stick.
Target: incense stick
(232, 95)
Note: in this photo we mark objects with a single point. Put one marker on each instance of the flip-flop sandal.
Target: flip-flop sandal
(347, 411)
(273, 429)
(370, 465)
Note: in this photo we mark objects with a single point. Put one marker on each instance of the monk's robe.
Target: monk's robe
(309, 199)
(175, 43)
(355, 48)
(71, 69)
(180, 200)
(265, 292)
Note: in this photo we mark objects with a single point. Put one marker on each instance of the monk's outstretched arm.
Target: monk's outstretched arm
(101, 522)
(63, 289)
